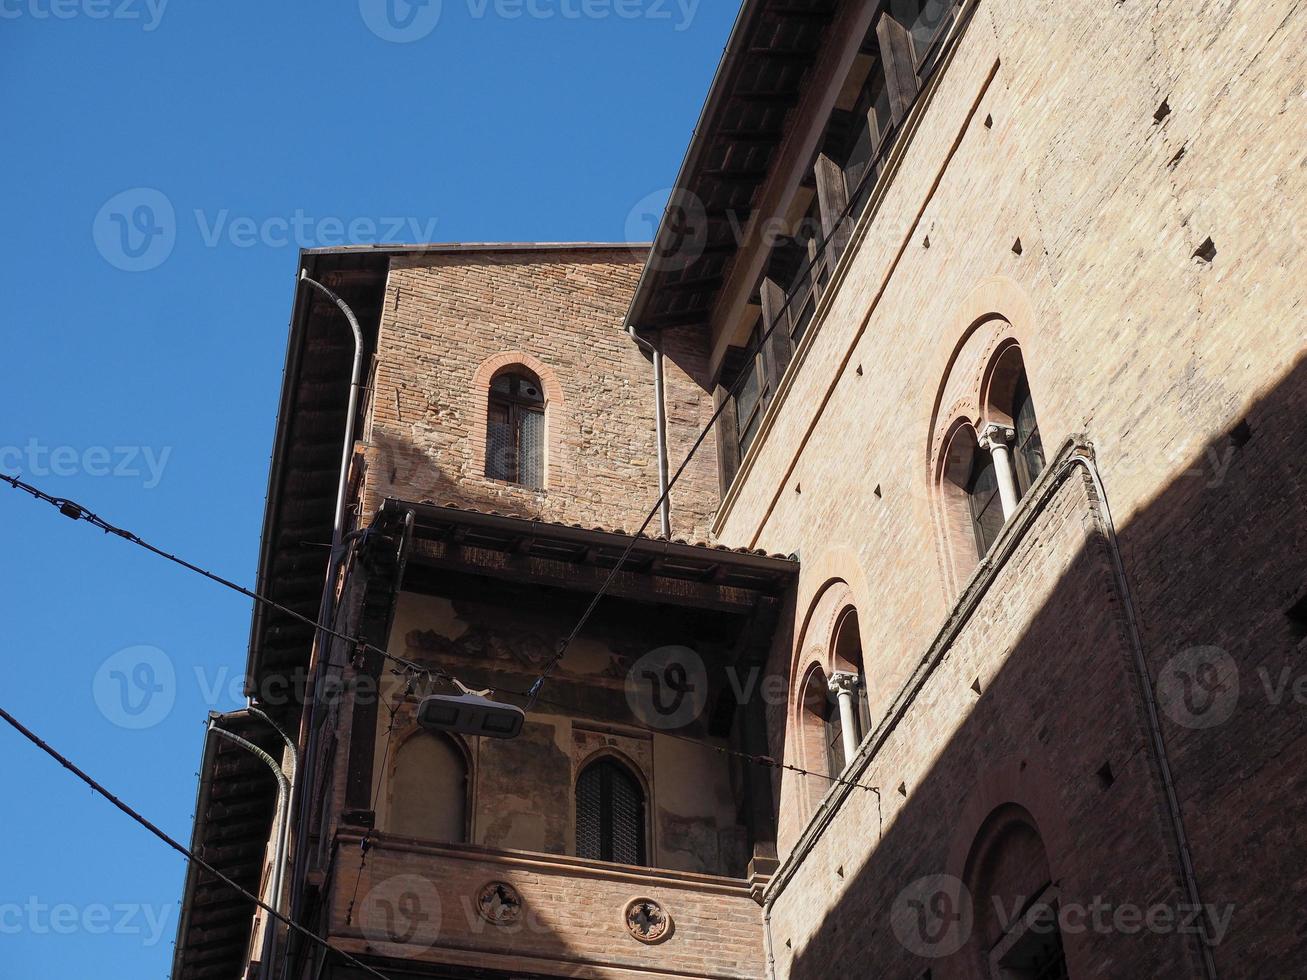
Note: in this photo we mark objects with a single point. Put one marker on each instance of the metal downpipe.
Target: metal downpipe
(660, 427)
(326, 608)
(279, 850)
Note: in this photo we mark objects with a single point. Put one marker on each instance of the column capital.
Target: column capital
(842, 682)
(997, 436)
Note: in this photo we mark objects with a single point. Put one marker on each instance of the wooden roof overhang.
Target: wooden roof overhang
(772, 48)
(234, 812)
(300, 507)
(572, 558)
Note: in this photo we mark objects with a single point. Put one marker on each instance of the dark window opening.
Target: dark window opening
(1038, 953)
(1297, 615)
(753, 393)
(834, 734)
(515, 430)
(871, 131)
(1029, 448)
(610, 814)
(983, 497)
(926, 22)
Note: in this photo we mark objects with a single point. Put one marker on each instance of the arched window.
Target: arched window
(846, 656)
(972, 499)
(1009, 405)
(515, 429)
(821, 731)
(610, 814)
(428, 789)
(1016, 932)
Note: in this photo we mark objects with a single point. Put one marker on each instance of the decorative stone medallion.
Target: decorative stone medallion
(647, 921)
(499, 903)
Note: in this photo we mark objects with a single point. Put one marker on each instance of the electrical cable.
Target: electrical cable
(75, 511)
(78, 512)
(68, 764)
(731, 392)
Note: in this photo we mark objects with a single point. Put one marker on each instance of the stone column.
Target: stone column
(998, 440)
(844, 686)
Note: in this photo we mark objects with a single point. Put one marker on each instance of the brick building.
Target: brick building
(968, 645)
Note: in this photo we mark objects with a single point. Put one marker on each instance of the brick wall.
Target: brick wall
(418, 903)
(1046, 127)
(452, 318)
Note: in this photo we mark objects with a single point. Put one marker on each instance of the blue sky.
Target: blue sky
(150, 395)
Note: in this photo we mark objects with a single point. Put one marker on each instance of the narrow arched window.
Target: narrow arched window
(428, 790)
(610, 814)
(1009, 405)
(515, 429)
(983, 497)
(1007, 871)
(822, 731)
(846, 651)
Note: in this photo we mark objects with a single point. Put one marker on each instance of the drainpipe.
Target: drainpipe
(279, 850)
(660, 425)
(347, 450)
(1154, 723)
(283, 833)
(326, 608)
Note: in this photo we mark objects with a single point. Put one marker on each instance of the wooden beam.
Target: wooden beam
(833, 202)
(778, 350)
(900, 72)
(505, 566)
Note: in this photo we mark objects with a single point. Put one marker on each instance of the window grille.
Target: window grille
(515, 430)
(610, 818)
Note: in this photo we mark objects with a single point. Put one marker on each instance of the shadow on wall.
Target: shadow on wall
(1050, 780)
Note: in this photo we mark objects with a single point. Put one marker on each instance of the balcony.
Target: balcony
(531, 914)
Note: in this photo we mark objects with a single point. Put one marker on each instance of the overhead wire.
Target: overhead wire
(76, 511)
(81, 774)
